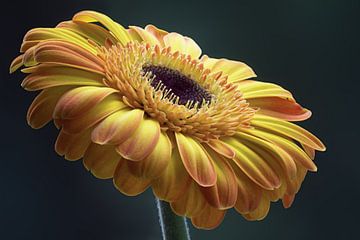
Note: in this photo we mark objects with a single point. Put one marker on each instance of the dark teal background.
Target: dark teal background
(309, 47)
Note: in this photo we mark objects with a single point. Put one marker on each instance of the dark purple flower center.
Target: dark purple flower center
(182, 86)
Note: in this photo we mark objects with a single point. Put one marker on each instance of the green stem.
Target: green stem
(173, 227)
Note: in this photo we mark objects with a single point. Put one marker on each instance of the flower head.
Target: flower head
(142, 106)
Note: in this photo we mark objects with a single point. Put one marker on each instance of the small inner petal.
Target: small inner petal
(180, 85)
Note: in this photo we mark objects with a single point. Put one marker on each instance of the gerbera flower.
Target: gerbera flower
(142, 106)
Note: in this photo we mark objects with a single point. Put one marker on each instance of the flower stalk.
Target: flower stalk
(173, 227)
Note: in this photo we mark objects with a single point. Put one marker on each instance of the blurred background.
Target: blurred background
(309, 47)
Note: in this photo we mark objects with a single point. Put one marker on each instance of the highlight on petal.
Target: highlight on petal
(142, 142)
(196, 160)
(235, 70)
(126, 182)
(154, 164)
(91, 16)
(117, 127)
(101, 161)
(16, 63)
(256, 89)
(182, 44)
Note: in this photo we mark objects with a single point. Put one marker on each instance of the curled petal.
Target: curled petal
(16, 63)
(142, 142)
(126, 182)
(235, 70)
(196, 160)
(209, 218)
(191, 203)
(182, 44)
(89, 31)
(145, 35)
(80, 100)
(256, 168)
(280, 108)
(288, 129)
(91, 16)
(117, 127)
(223, 194)
(41, 110)
(154, 164)
(101, 161)
(288, 200)
(174, 180)
(158, 33)
(72, 146)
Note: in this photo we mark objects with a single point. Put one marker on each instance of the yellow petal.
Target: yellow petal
(91, 16)
(266, 150)
(196, 160)
(223, 194)
(126, 182)
(41, 109)
(256, 168)
(182, 44)
(45, 77)
(37, 35)
(288, 129)
(278, 107)
(220, 147)
(256, 89)
(260, 212)
(154, 164)
(235, 70)
(291, 148)
(249, 194)
(72, 146)
(109, 105)
(191, 203)
(174, 181)
(288, 200)
(209, 218)
(89, 31)
(142, 142)
(16, 63)
(145, 35)
(158, 33)
(101, 161)
(67, 54)
(117, 127)
(80, 100)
